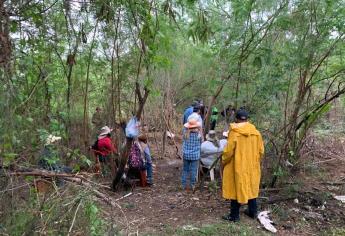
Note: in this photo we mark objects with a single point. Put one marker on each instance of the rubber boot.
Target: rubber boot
(252, 210)
(234, 215)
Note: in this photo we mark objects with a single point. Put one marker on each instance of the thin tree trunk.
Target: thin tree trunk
(164, 126)
(125, 150)
(124, 153)
(5, 41)
(211, 103)
(85, 121)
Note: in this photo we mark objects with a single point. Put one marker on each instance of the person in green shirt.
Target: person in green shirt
(214, 118)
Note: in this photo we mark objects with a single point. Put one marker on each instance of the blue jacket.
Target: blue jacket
(187, 113)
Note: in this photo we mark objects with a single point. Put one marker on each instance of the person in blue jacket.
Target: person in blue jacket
(188, 111)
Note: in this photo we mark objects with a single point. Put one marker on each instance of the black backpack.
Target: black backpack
(95, 146)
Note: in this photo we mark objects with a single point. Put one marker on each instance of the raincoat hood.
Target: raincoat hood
(244, 128)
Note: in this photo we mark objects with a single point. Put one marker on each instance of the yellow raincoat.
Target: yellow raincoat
(241, 162)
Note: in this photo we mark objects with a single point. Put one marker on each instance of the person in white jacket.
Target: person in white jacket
(211, 149)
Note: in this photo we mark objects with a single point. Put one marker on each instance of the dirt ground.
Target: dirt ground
(302, 205)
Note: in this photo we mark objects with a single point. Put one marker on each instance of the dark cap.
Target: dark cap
(195, 103)
(242, 114)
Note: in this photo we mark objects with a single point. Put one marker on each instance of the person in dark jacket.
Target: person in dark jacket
(188, 111)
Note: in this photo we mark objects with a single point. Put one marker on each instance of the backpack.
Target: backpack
(135, 160)
(95, 146)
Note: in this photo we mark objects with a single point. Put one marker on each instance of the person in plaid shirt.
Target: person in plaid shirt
(192, 139)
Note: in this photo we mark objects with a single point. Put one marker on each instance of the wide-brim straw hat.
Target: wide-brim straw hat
(211, 136)
(105, 130)
(192, 123)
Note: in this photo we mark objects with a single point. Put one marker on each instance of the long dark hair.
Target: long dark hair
(188, 131)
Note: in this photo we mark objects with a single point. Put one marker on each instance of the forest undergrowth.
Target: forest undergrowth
(69, 206)
(63, 60)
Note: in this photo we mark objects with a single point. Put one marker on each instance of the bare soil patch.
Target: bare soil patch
(303, 205)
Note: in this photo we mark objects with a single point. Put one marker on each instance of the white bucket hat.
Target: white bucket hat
(105, 130)
(226, 133)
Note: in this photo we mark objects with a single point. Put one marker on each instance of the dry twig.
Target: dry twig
(74, 217)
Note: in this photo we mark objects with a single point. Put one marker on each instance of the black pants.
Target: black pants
(213, 124)
(235, 208)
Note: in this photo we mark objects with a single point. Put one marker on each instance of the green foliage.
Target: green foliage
(96, 223)
(21, 222)
(282, 59)
(334, 232)
(79, 159)
(8, 158)
(279, 172)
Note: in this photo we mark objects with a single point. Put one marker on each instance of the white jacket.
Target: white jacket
(209, 152)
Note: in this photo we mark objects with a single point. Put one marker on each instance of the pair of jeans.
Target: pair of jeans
(190, 168)
(235, 208)
(149, 172)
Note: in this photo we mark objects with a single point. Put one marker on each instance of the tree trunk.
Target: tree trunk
(124, 153)
(211, 103)
(5, 41)
(85, 120)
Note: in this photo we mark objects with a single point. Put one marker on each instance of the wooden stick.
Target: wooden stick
(173, 139)
(46, 174)
(51, 174)
(270, 189)
(333, 183)
(127, 195)
(14, 188)
(75, 215)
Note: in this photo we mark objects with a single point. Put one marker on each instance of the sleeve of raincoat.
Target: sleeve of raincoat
(229, 150)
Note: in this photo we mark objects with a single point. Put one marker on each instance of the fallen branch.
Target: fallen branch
(280, 199)
(11, 189)
(329, 183)
(79, 180)
(74, 217)
(127, 195)
(324, 161)
(112, 203)
(271, 189)
(333, 183)
(51, 174)
(44, 173)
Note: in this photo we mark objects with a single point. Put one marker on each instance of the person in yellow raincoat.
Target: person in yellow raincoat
(241, 162)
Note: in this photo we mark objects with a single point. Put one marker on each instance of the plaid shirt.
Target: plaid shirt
(191, 147)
